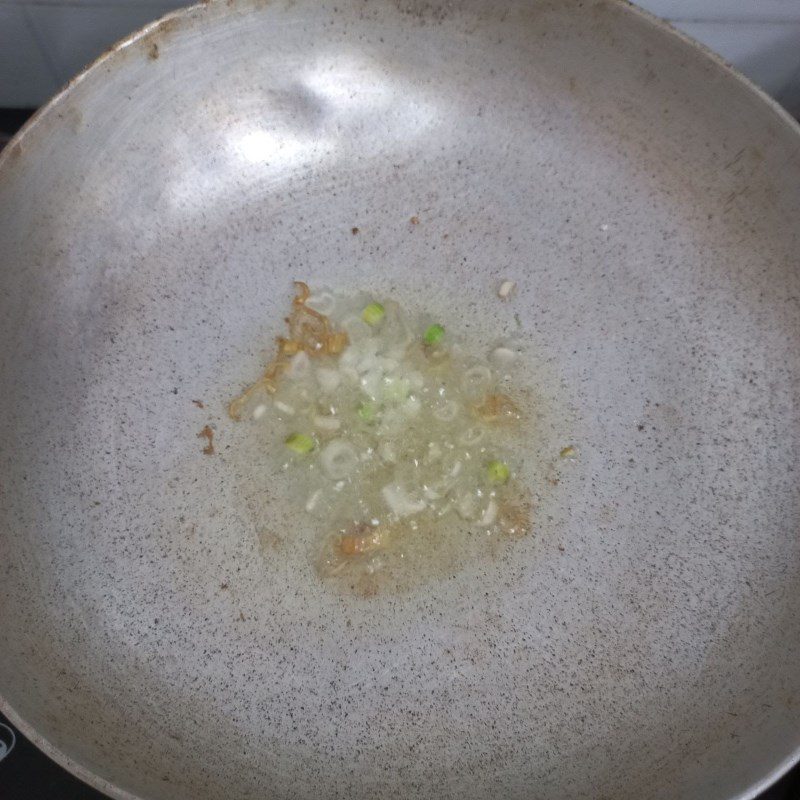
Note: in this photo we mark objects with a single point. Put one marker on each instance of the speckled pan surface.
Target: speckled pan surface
(642, 644)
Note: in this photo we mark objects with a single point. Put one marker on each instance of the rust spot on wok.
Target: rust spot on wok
(153, 40)
(207, 433)
(166, 27)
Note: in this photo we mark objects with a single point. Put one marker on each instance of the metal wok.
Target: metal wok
(642, 643)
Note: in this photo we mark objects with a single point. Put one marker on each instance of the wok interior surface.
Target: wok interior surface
(643, 642)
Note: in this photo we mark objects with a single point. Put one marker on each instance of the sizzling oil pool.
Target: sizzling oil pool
(409, 453)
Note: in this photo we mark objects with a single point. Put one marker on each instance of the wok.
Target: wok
(642, 642)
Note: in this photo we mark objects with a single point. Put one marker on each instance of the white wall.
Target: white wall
(43, 43)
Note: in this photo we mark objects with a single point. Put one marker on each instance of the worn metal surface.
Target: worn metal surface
(643, 643)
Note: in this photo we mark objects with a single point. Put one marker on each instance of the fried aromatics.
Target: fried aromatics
(497, 408)
(364, 539)
(309, 332)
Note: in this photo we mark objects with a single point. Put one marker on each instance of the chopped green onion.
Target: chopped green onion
(434, 334)
(367, 410)
(497, 472)
(373, 314)
(300, 443)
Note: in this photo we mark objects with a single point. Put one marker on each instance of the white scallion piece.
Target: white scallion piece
(505, 290)
(472, 436)
(400, 503)
(338, 459)
(323, 302)
(489, 515)
(313, 499)
(503, 356)
(467, 506)
(477, 379)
